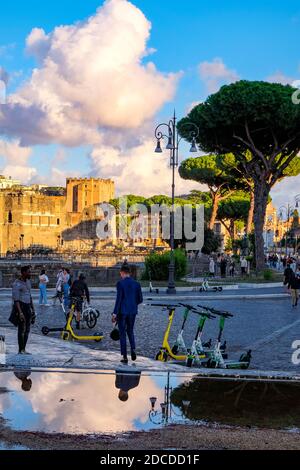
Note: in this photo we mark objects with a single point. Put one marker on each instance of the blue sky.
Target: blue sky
(254, 40)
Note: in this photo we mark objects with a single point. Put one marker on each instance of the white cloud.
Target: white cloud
(285, 191)
(15, 161)
(91, 78)
(216, 73)
(137, 170)
(280, 77)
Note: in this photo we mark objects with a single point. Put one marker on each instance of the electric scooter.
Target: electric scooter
(205, 287)
(68, 334)
(167, 352)
(180, 343)
(217, 359)
(199, 352)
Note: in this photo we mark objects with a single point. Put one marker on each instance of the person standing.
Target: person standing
(244, 266)
(66, 286)
(231, 267)
(223, 265)
(44, 280)
(211, 267)
(129, 297)
(22, 299)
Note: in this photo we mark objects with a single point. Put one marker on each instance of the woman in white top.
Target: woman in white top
(43, 288)
(211, 267)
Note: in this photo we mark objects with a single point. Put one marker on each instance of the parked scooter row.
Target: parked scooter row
(199, 354)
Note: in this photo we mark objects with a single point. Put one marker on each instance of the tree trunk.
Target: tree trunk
(214, 211)
(250, 214)
(261, 193)
(232, 230)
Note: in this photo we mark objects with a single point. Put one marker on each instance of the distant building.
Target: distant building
(51, 217)
(8, 182)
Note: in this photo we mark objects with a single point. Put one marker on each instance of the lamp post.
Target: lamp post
(173, 139)
(289, 211)
(166, 413)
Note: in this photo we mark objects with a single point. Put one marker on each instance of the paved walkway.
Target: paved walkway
(55, 354)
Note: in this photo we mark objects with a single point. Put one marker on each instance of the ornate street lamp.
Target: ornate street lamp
(167, 412)
(289, 210)
(173, 141)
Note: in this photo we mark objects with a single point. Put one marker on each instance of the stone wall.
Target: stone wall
(95, 276)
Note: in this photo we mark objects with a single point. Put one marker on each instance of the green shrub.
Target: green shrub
(268, 274)
(157, 265)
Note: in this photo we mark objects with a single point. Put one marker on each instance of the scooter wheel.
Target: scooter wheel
(165, 357)
(45, 330)
(175, 349)
(97, 313)
(189, 362)
(161, 356)
(66, 336)
(91, 320)
(201, 289)
(99, 337)
(220, 289)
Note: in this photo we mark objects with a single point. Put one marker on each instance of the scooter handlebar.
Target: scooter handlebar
(216, 312)
(203, 314)
(168, 306)
(190, 307)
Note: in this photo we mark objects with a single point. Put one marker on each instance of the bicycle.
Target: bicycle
(89, 315)
(60, 297)
(67, 332)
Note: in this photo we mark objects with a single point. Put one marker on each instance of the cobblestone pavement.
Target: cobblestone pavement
(268, 327)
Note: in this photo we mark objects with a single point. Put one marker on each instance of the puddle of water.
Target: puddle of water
(85, 403)
(4, 446)
(117, 402)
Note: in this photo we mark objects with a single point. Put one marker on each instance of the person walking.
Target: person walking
(44, 280)
(23, 307)
(129, 297)
(288, 273)
(294, 286)
(78, 291)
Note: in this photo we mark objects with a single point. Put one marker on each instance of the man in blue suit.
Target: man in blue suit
(129, 297)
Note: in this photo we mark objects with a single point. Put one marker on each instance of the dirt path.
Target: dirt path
(174, 437)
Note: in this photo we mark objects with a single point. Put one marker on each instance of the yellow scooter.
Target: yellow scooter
(68, 334)
(167, 352)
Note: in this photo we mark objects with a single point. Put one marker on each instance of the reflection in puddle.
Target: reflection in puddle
(4, 446)
(243, 403)
(84, 403)
(116, 402)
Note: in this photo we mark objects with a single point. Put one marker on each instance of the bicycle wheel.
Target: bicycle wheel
(91, 320)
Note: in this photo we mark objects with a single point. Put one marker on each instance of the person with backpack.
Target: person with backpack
(78, 291)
